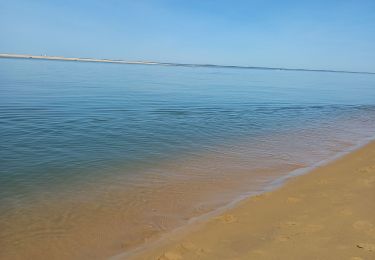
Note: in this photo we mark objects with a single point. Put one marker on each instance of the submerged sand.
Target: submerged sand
(326, 214)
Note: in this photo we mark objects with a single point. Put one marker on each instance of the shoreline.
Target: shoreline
(192, 220)
(160, 248)
(174, 64)
(247, 145)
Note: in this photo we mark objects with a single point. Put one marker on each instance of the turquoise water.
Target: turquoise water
(69, 128)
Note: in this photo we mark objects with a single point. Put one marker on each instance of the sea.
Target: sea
(100, 159)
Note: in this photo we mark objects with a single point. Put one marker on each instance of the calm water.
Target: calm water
(145, 148)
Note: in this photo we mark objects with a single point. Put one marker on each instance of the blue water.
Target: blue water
(64, 124)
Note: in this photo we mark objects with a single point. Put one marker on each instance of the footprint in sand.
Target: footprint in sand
(283, 238)
(366, 246)
(323, 182)
(364, 226)
(311, 228)
(369, 182)
(346, 212)
(293, 199)
(367, 169)
(259, 197)
(170, 256)
(202, 251)
(322, 195)
(187, 247)
(227, 218)
(259, 252)
(256, 198)
(288, 224)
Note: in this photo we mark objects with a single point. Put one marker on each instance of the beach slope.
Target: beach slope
(326, 214)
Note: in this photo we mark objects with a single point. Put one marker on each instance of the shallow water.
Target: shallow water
(97, 158)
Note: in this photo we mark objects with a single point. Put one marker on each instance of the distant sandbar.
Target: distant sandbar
(44, 57)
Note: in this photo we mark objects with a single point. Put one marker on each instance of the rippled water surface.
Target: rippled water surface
(97, 158)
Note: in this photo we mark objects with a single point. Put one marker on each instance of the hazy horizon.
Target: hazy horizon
(335, 35)
(166, 63)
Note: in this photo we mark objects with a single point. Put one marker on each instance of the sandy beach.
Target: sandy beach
(326, 214)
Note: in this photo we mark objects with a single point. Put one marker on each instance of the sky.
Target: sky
(296, 34)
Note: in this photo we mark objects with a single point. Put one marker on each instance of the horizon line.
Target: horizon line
(62, 58)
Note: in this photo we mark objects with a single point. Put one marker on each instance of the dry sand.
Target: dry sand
(326, 214)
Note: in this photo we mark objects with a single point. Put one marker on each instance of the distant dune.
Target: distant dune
(27, 56)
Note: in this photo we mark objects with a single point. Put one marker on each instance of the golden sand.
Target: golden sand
(326, 214)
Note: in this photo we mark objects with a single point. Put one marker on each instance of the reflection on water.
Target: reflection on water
(146, 148)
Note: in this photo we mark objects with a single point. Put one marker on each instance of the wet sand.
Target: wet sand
(326, 214)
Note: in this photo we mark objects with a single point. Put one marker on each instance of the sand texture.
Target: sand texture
(326, 214)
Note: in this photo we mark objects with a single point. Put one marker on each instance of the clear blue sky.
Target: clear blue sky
(310, 34)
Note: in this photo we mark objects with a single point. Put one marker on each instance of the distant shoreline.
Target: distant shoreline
(39, 57)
